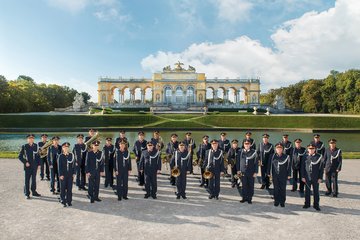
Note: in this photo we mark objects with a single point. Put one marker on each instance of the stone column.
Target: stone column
(142, 97)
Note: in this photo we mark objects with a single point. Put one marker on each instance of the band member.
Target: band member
(109, 151)
(94, 169)
(43, 161)
(224, 145)
(53, 153)
(121, 138)
(181, 160)
(139, 147)
(320, 149)
(247, 165)
(200, 154)
(67, 169)
(248, 137)
(157, 140)
(90, 134)
(312, 170)
(232, 155)
(190, 146)
(280, 170)
(333, 164)
(29, 156)
(171, 147)
(214, 162)
(150, 166)
(122, 170)
(297, 157)
(265, 151)
(79, 152)
(287, 145)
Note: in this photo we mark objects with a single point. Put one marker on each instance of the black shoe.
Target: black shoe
(119, 198)
(184, 197)
(98, 200)
(105, 186)
(210, 196)
(36, 194)
(206, 186)
(64, 204)
(47, 179)
(306, 206)
(154, 197)
(267, 187)
(262, 187)
(92, 201)
(282, 205)
(177, 197)
(172, 184)
(79, 188)
(317, 208)
(249, 202)
(276, 204)
(216, 197)
(84, 188)
(201, 185)
(233, 185)
(335, 195)
(69, 204)
(243, 200)
(327, 193)
(54, 193)
(27, 197)
(42, 179)
(146, 196)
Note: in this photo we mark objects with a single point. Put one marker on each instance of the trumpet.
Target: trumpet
(175, 172)
(208, 174)
(91, 140)
(43, 151)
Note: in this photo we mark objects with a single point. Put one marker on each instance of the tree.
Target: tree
(311, 99)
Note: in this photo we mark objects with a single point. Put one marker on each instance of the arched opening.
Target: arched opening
(179, 95)
(232, 95)
(116, 96)
(210, 93)
(167, 95)
(103, 98)
(126, 95)
(149, 95)
(190, 95)
(242, 95)
(220, 92)
(137, 95)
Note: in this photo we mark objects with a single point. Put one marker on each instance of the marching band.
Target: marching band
(278, 164)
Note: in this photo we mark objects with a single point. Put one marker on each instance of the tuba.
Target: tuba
(43, 151)
(175, 172)
(91, 140)
(207, 174)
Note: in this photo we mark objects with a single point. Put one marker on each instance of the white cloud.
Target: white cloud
(307, 47)
(234, 10)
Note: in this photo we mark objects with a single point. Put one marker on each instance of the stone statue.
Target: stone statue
(167, 68)
(78, 103)
(178, 66)
(191, 69)
(279, 103)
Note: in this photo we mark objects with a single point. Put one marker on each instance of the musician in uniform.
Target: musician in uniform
(53, 153)
(122, 170)
(94, 169)
(181, 160)
(190, 146)
(150, 166)
(109, 151)
(232, 155)
(171, 147)
(43, 161)
(214, 162)
(79, 152)
(287, 145)
(252, 141)
(139, 147)
(121, 137)
(265, 151)
(29, 156)
(67, 170)
(224, 145)
(91, 133)
(312, 171)
(333, 164)
(200, 154)
(157, 140)
(247, 166)
(280, 170)
(320, 149)
(297, 157)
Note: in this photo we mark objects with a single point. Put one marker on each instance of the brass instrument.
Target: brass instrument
(175, 172)
(43, 151)
(238, 176)
(226, 163)
(207, 174)
(91, 140)
(195, 162)
(166, 159)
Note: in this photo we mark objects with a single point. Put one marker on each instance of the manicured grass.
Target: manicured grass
(351, 155)
(180, 125)
(178, 116)
(9, 154)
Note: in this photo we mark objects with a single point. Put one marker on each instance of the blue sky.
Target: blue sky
(73, 42)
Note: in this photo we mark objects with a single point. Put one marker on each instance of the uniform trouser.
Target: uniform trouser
(214, 184)
(151, 184)
(315, 186)
(122, 184)
(203, 180)
(94, 185)
(296, 178)
(233, 174)
(181, 184)
(172, 180)
(45, 168)
(279, 189)
(332, 182)
(80, 176)
(30, 173)
(54, 176)
(109, 171)
(264, 177)
(247, 187)
(66, 189)
(141, 176)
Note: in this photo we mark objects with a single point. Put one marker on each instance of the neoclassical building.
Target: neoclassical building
(178, 88)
